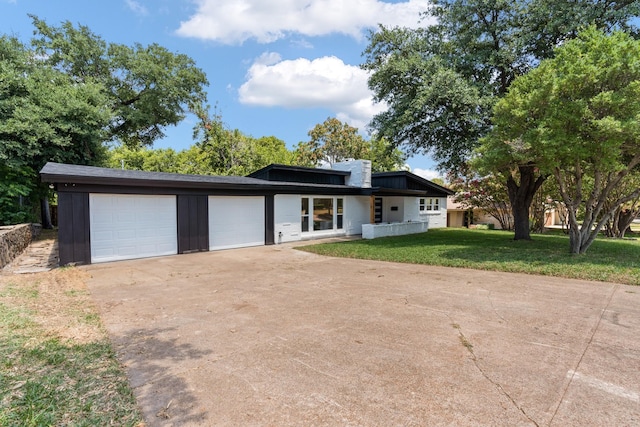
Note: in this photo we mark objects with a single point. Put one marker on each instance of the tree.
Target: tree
(334, 141)
(384, 156)
(623, 215)
(440, 83)
(71, 92)
(576, 117)
(230, 152)
(148, 87)
(486, 193)
(45, 116)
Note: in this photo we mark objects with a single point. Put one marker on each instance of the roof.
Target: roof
(276, 166)
(408, 181)
(76, 174)
(283, 173)
(53, 172)
(384, 183)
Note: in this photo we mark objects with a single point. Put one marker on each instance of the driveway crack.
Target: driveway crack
(584, 351)
(467, 344)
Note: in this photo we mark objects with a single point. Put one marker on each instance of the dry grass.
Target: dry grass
(57, 366)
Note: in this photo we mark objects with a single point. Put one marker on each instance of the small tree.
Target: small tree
(334, 141)
(576, 117)
(486, 193)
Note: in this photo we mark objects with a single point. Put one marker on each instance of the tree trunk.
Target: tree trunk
(521, 197)
(45, 213)
(625, 218)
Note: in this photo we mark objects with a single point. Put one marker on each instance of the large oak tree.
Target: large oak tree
(69, 93)
(440, 82)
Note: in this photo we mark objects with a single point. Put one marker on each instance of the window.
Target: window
(326, 213)
(430, 204)
(322, 214)
(305, 214)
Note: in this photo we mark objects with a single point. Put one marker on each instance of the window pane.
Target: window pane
(322, 214)
(339, 221)
(305, 214)
(339, 208)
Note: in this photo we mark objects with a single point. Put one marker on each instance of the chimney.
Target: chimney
(360, 172)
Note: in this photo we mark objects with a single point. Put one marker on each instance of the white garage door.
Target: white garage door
(235, 222)
(132, 226)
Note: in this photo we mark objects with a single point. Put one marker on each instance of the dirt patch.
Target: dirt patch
(59, 301)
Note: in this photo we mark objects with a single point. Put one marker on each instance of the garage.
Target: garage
(236, 222)
(127, 226)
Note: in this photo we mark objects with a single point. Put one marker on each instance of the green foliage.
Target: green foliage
(15, 187)
(440, 82)
(334, 141)
(487, 193)
(609, 260)
(44, 116)
(222, 151)
(331, 141)
(576, 117)
(148, 87)
(62, 98)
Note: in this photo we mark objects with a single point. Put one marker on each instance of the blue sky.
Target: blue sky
(276, 67)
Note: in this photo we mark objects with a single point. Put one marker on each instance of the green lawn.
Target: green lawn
(57, 366)
(606, 260)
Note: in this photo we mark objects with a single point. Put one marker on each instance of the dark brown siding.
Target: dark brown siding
(74, 241)
(193, 223)
(269, 220)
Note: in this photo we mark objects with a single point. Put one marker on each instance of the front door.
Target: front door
(377, 210)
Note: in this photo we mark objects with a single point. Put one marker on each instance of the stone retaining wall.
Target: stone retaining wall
(13, 240)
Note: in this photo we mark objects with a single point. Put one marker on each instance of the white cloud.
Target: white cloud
(325, 82)
(235, 21)
(137, 8)
(427, 173)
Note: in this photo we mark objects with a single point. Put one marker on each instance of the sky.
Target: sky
(275, 68)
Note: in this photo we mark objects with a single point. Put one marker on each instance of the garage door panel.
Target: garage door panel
(132, 226)
(235, 222)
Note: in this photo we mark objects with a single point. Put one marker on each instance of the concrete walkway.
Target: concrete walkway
(271, 336)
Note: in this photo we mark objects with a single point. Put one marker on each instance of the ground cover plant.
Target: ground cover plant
(57, 366)
(610, 260)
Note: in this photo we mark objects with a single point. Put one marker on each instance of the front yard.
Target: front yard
(57, 364)
(548, 254)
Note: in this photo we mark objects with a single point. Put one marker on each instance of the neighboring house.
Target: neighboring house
(111, 214)
(459, 216)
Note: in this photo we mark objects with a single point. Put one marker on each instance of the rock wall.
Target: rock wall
(13, 240)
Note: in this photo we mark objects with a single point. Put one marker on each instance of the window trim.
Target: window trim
(338, 214)
(427, 205)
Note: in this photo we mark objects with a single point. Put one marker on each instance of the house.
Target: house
(110, 214)
(459, 216)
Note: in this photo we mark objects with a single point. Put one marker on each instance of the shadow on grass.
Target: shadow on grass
(154, 359)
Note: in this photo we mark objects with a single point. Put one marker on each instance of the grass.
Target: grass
(57, 366)
(606, 260)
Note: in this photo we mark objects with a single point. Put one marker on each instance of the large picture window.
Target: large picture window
(322, 213)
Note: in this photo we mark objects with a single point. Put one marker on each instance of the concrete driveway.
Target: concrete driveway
(271, 336)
